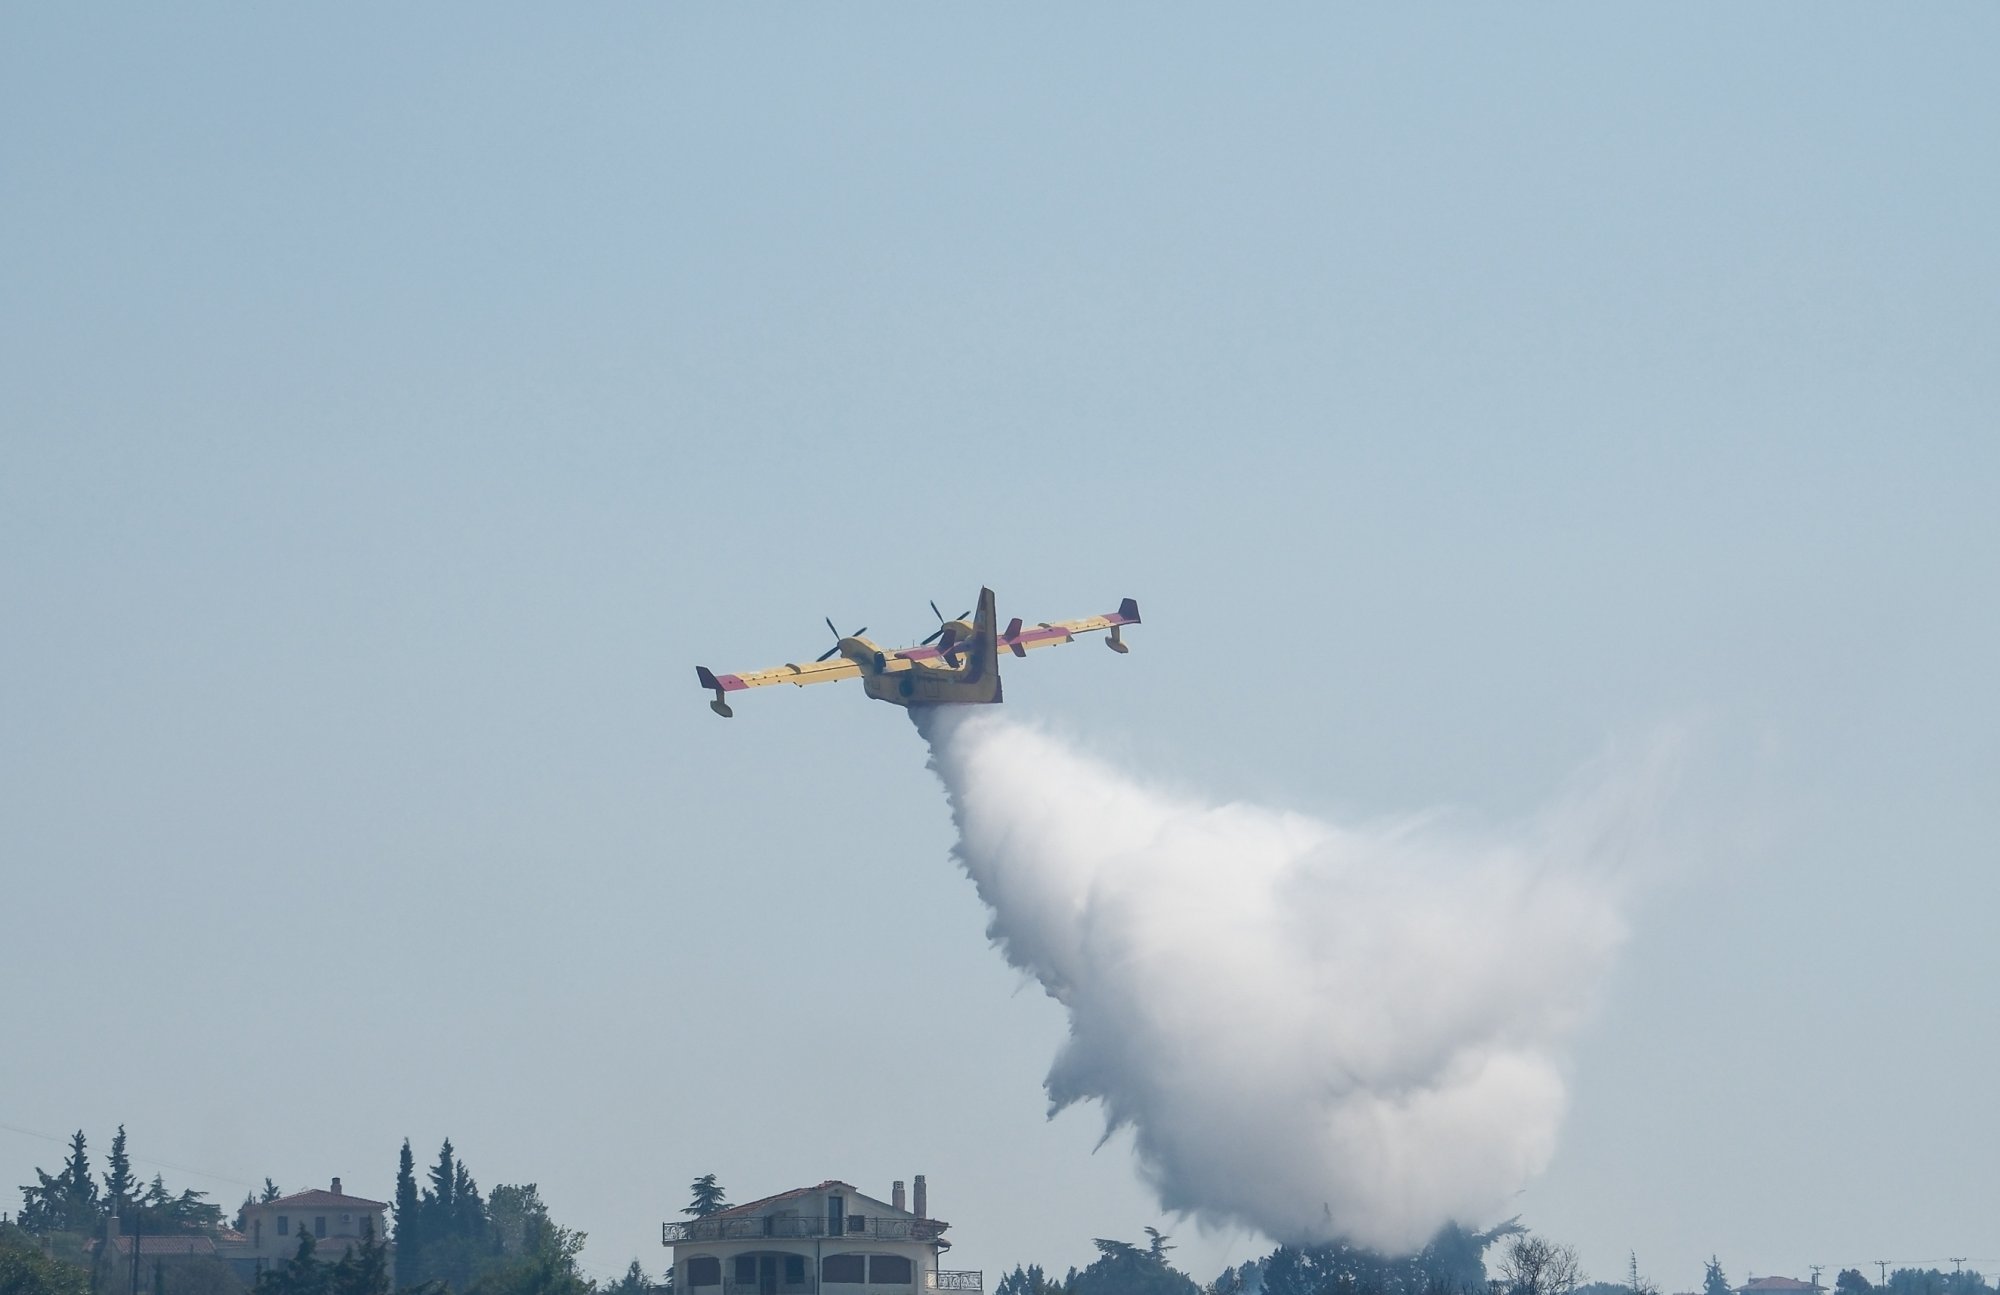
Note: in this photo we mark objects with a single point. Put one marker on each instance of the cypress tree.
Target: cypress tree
(120, 1187)
(438, 1198)
(409, 1232)
(79, 1207)
(468, 1211)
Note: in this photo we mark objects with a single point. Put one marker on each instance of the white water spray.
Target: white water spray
(1321, 1032)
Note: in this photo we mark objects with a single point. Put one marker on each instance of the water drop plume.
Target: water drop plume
(1322, 1032)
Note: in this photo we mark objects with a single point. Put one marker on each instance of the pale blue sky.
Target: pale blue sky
(397, 403)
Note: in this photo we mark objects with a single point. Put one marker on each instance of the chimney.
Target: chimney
(920, 1206)
(896, 1197)
(336, 1187)
(111, 1232)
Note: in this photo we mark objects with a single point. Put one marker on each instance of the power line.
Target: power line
(143, 1160)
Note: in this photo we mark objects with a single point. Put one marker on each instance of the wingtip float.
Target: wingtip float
(958, 664)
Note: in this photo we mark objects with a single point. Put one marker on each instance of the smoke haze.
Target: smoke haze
(1319, 1031)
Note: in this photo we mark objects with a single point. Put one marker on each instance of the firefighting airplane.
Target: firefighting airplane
(963, 666)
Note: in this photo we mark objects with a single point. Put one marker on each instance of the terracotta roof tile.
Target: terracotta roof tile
(200, 1245)
(320, 1198)
(752, 1207)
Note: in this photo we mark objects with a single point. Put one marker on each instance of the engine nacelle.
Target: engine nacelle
(863, 653)
(949, 638)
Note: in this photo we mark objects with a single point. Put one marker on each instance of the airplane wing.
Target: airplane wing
(1019, 639)
(810, 672)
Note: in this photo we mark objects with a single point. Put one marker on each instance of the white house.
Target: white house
(336, 1221)
(827, 1239)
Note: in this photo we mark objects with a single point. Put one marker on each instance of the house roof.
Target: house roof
(196, 1245)
(758, 1206)
(1775, 1284)
(320, 1198)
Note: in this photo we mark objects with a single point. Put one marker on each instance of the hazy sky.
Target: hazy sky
(398, 402)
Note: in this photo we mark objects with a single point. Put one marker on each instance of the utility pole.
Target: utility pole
(1957, 1264)
(1817, 1269)
(1883, 1266)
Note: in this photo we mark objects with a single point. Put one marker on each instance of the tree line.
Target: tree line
(448, 1238)
(1505, 1260)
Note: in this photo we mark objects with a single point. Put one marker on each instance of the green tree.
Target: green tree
(707, 1197)
(302, 1274)
(1934, 1281)
(538, 1274)
(1712, 1280)
(530, 1229)
(62, 1202)
(82, 1189)
(25, 1270)
(183, 1214)
(634, 1282)
(364, 1269)
(468, 1211)
(540, 1255)
(195, 1276)
(1124, 1269)
(409, 1231)
(437, 1197)
(451, 1229)
(1026, 1281)
(271, 1192)
(1852, 1282)
(120, 1187)
(1452, 1263)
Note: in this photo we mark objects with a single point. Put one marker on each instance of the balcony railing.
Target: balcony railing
(946, 1279)
(731, 1286)
(756, 1227)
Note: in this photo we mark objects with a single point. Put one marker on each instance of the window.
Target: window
(257, 1232)
(319, 1225)
(795, 1270)
(746, 1268)
(705, 1270)
(284, 1226)
(888, 1270)
(844, 1268)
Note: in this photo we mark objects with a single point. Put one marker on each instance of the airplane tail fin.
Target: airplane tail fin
(983, 654)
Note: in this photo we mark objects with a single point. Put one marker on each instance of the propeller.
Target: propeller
(836, 639)
(942, 622)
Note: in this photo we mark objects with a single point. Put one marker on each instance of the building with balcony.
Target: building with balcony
(823, 1240)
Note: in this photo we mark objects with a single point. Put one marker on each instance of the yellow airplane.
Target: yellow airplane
(962, 667)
